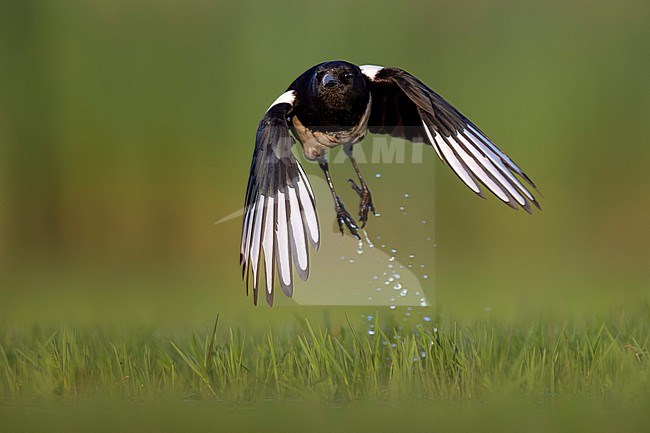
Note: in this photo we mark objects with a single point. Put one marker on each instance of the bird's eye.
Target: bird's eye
(347, 75)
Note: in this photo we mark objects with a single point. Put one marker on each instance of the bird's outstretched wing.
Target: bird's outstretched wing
(280, 209)
(403, 106)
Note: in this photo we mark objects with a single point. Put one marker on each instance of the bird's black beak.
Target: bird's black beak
(329, 80)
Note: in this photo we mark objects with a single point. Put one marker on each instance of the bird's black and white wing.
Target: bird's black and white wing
(280, 209)
(403, 106)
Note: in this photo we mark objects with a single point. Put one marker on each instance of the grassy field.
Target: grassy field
(420, 371)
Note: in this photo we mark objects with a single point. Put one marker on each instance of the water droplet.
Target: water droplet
(377, 175)
(423, 354)
(392, 307)
(425, 276)
(402, 208)
(424, 222)
(423, 302)
(393, 250)
(408, 314)
(360, 248)
(409, 266)
(370, 318)
(383, 245)
(407, 195)
(404, 292)
(391, 279)
(391, 259)
(421, 266)
(371, 332)
(397, 286)
(351, 260)
(391, 266)
(393, 345)
(377, 214)
(396, 275)
(435, 329)
(427, 318)
(370, 298)
(378, 289)
(411, 256)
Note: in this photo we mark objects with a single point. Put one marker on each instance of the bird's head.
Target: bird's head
(338, 80)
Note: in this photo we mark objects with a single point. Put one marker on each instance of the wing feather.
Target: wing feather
(268, 244)
(403, 106)
(308, 208)
(280, 208)
(283, 253)
(300, 252)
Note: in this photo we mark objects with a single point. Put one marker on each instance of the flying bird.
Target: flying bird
(335, 104)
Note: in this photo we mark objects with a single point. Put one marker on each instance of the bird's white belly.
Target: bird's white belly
(315, 143)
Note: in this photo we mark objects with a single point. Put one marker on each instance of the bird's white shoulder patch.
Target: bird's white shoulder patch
(370, 71)
(285, 98)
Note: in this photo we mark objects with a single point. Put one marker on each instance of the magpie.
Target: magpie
(335, 104)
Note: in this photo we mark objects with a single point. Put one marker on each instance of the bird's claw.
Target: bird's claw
(343, 217)
(356, 187)
(365, 204)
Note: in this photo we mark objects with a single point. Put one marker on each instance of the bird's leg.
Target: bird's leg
(363, 191)
(342, 215)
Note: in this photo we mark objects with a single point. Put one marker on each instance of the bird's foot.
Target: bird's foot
(343, 217)
(365, 204)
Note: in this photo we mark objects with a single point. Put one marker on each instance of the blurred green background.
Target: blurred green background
(127, 127)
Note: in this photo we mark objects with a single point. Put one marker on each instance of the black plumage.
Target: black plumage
(336, 103)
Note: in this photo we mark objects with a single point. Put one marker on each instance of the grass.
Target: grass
(538, 360)
(329, 374)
